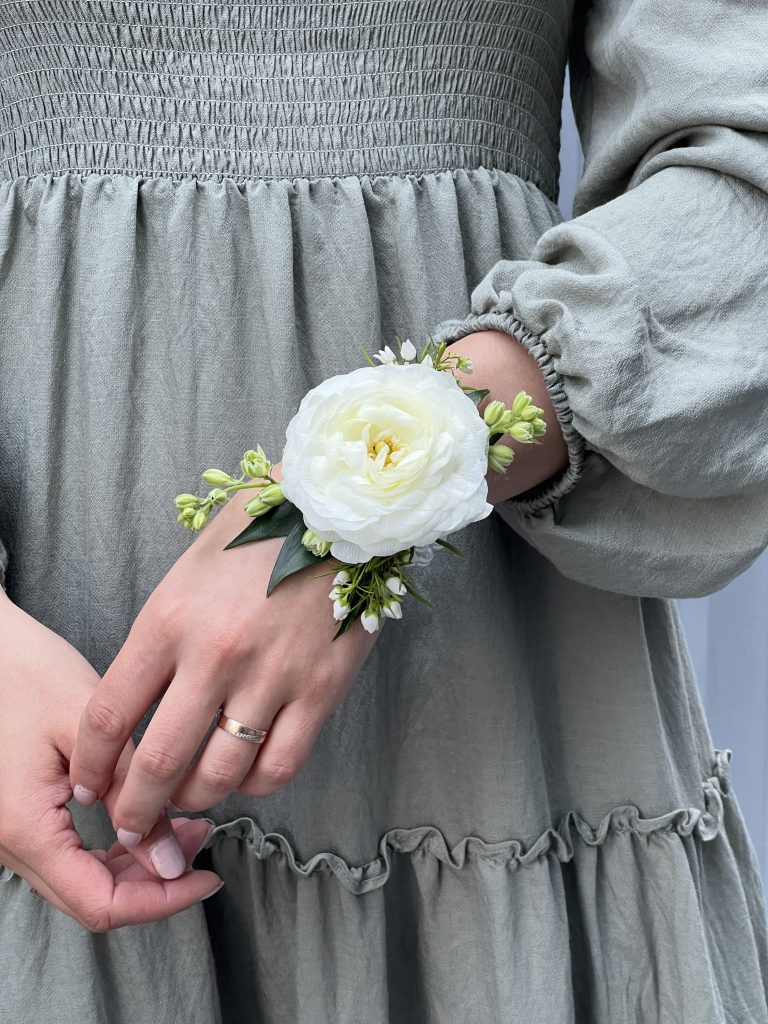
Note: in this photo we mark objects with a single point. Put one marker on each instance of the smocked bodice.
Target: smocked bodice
(282, 89)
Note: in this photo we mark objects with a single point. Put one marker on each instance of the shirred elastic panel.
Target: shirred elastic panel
(281, 90)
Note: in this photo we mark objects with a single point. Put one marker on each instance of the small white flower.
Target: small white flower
(370, 620)
(396, 585)
(427, 361)
(333, 594)
(392, 609)
(408, 350)
(340, 610)
(385, 355)
(423, 553)
(342, 577)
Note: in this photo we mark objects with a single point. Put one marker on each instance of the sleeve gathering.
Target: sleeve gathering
(646, 311)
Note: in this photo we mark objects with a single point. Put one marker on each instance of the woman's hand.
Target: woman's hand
(44, 686)
(209, 637)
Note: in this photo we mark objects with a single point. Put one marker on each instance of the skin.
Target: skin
(206, 638)
(44, 685)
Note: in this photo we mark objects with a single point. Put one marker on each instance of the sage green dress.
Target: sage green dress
(517, 815)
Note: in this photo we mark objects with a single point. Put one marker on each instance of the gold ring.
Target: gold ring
(241, 730)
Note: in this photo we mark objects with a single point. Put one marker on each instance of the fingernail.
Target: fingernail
(213, 891)
(129, 838)
(168, 858)
(85, 796)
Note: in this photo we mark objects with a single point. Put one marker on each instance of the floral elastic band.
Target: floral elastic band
(380, 465)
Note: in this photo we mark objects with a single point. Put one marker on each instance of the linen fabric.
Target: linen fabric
(518, 812)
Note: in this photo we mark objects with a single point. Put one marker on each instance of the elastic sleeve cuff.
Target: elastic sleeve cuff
(3, 565)
(545, 494)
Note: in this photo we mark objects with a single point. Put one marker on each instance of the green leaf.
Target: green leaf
(450, 547)
(478, 394)
(412, 590)
(292, 557)
(278, 522)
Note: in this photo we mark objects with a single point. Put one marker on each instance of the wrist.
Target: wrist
(503, 366)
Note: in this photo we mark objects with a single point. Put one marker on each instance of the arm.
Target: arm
(646, 311)
(504, 369)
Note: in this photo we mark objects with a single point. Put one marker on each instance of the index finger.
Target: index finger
(133, 681)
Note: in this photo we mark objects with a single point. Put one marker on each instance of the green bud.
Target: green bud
(499, 457)
(256, 507)
(272, 494)
(521, 431)
(255, 464)
(312, 543)
(218, 497)
(539, 427)
(218, 478)
(520, 404)
(200, 519)
(493, 413)
(187, 514)
(531, 413)
(183, 500)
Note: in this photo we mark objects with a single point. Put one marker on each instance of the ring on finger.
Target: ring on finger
(241, 730)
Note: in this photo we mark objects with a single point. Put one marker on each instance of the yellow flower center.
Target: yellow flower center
(386, 449)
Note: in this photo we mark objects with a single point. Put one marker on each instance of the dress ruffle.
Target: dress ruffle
(557, 841)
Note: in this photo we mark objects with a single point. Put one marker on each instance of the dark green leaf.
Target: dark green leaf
(292, 557)
(278, 522)
(478, 394)
(450, 547)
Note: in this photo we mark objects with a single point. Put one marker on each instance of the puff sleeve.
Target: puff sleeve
(647, 311)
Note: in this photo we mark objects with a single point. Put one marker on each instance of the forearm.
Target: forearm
(501, 364)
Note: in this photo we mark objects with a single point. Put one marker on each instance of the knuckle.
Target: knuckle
(226, 642)
(277, 773)
(104, 720)
(95, 920)
(218, 774)
(318, 684)
(159, 764)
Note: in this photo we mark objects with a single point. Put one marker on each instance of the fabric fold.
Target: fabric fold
(646, 309)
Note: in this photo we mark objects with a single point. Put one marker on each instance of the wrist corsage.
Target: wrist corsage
(380, 465)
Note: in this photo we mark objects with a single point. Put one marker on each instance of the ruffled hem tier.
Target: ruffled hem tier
(557, 841)
(642, 919)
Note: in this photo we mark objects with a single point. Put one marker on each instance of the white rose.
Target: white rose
(385, 457)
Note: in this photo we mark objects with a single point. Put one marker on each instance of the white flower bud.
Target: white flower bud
(370, 620)
(340, 610)
(342, 576)
(396, 585)
(408, 350)
(385, 355)
(392, 609)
